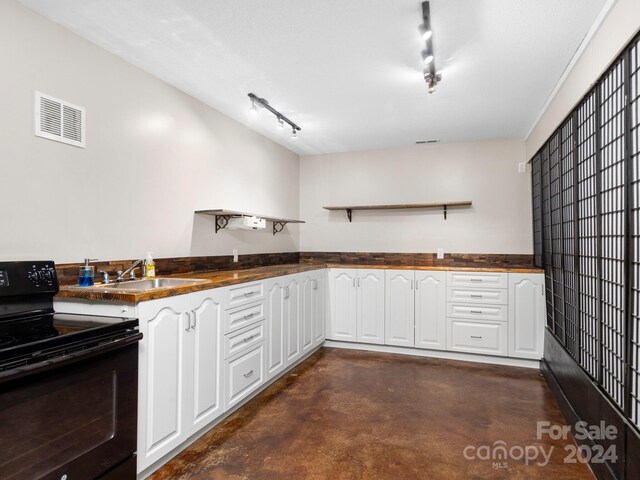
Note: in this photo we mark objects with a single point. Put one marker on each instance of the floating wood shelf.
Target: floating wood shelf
(223, 216)
(443, 205)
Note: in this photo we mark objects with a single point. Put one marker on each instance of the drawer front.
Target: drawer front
(243, 316)
(245, 293)
(496, 313)
(477, 279)
(477, 296)
(243, 340)
(244, 374)
(477, 337)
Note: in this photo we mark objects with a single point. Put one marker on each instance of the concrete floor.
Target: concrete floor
(345, 414)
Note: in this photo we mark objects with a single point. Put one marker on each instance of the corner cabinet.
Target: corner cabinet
(179, 386)
(526, 315)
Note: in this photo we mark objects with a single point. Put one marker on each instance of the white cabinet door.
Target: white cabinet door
(161, 380)
(526, 315)
(320, 308)
(430, 318)
(204, 354)
(275, 327)
(370, 306)
(399, 311)
(342, 319)
(308, 300)
(292, 329)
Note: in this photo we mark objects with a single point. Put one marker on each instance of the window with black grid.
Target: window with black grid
(555, 186)
(567, 182)
(612, 227)
(536, 201)
(546, 232)
(587, 227)
(634, 204)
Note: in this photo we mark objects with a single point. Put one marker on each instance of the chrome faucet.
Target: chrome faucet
(131, 269)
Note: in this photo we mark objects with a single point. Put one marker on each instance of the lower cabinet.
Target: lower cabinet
(312, 307)
(370, 306)
(179, 371)
(527, 311)
(399, 308)
(244, 374)
(471, 336)
(291, 312)
(430, 305)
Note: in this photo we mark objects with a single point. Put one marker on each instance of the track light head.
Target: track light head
(425, 32)
(280, 123)
(294, 133)
(253, 111)
(427, 57)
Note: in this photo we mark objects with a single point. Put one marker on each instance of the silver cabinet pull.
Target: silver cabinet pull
(479, 312)
(188, 322)
(411, 285)
(358, 282)
(248, 374)
(248, 316)
(475, 296)
(475, 280)
(248, 294)
(354, 282)
(315, 284)
(286, 292)
(476, 336)
(193, 316)
(248, 339)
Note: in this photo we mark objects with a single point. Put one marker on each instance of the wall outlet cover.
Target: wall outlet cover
(522, 167)
(235, 255)
(440, 254)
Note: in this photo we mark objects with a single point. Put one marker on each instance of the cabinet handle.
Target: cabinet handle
(248, 374)
(475, 280)
(247, 339)
(479, 312)
(193, 316)
(354, 283)
(248, 316)
(188, 322)
(358, 282)
(475, 296)
(315, 284)
(248, 294)
(417, 285)
(476, 336)
(541, 289)
(286, 292)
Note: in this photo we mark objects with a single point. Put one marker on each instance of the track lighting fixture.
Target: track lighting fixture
(430, 76)
(281, 119)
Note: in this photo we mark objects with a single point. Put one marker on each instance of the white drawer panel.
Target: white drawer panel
(477, 337)
(244, 293)
(243, 316)
(496, 313)
(477, 279)
(242, 340)
(243, 375)
(477, 296)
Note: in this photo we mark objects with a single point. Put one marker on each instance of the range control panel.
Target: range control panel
(25, 278)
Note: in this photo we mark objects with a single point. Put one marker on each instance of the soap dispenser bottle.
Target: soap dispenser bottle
(150, 266)
(86, 273)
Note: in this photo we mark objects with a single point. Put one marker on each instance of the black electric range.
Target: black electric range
(68, 383)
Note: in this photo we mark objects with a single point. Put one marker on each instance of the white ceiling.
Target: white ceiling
(347, 71)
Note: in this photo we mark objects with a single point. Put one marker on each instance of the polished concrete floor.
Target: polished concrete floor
(345, 414)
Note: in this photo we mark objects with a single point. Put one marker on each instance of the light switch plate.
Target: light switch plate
(235, 255)
(522, 167)
(440, 254)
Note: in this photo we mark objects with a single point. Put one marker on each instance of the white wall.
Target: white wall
(622, 22)
(153, 156)
(483, 172)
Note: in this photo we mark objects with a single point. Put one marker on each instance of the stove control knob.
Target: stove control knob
(49, 274)
(33, 276)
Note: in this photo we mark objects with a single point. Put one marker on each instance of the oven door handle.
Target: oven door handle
(70, 358)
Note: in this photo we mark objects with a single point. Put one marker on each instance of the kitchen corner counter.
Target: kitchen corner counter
(223, 278)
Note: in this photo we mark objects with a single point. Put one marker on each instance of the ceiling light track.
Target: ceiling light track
(431, 76)
(257, 102)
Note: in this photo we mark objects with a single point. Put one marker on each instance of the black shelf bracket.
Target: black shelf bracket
(349, 213)
(278, 226)
(445, 212)
(221, 221)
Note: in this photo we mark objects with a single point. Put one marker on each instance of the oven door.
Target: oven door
(73, 417)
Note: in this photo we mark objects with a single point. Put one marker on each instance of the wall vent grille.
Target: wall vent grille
(59, 120)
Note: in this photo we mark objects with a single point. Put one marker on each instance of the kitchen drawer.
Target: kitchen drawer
(477, 337)
(243, 316)
(477, 296)
(243, 340)
(496, 313)
(244, 293)
(477, 279)
(243, 375)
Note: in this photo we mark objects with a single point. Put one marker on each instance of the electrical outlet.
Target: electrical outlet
(522, 167)
(440, 254)
(235, 255)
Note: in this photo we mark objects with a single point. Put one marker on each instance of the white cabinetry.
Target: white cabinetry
(291, 311)
(370, 306)
(275, 362)
(526, 315)
(180, 370)
(312, 304)
(399, 308)
(430, 304)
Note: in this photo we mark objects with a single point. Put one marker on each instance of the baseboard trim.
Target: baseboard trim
(183, 446)
(465, 357)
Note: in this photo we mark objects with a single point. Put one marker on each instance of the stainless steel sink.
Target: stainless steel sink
(151, 284)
